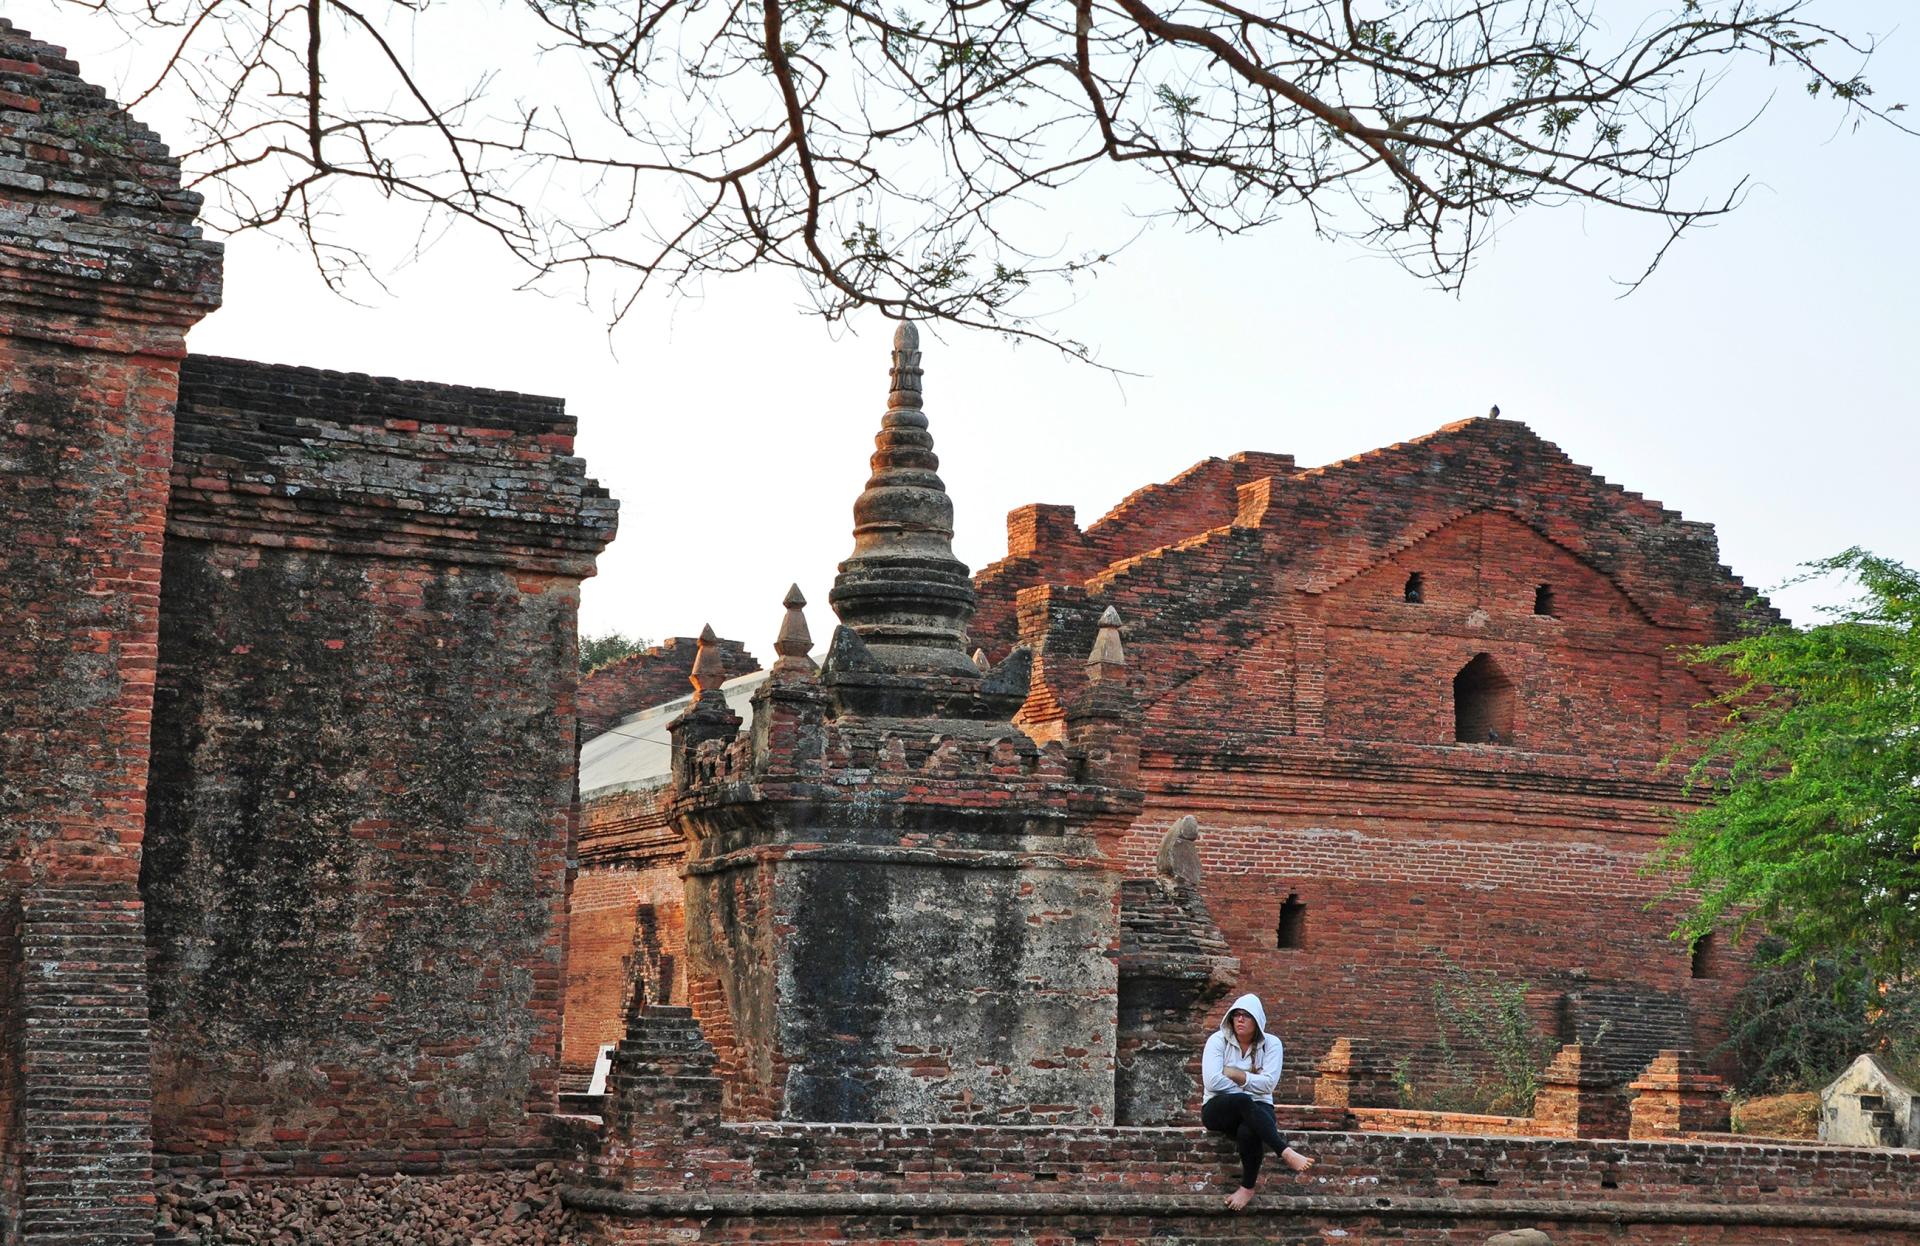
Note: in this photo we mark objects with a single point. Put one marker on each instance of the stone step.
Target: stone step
(666, 1012)
(583, 1104)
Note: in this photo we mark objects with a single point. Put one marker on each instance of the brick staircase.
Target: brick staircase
(662, 1071)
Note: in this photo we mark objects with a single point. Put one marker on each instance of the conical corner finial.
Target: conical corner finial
(795, 642)
(980, 660)
(1107, 651)
(1494, 414)
(708, 673)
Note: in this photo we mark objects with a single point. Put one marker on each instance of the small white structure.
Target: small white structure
(1868, 1106)
(602, 1065)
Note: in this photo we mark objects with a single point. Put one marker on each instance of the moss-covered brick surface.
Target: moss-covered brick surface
(360, 806)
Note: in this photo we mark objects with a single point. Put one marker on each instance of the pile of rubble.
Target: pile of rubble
(503, 1208)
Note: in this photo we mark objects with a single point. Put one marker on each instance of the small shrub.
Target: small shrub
(1798, 1021)
(1491, 1047)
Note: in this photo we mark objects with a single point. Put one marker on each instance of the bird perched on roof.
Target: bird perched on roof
(1495, 413)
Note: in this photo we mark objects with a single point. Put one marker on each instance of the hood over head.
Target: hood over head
(1249, 1004)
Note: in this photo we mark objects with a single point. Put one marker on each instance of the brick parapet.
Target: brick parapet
(302, 458)
(1356, 1074)
(737, 1165)
(1046, 546)
(1579, 1096)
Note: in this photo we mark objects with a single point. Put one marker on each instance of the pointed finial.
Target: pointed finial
(794, 642)
(980, 660)
(1107, 652)
(1495, 413)
(707, 674)
(905, 375)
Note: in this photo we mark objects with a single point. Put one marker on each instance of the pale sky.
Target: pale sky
(1762, 381)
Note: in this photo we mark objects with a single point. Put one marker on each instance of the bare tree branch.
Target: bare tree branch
(906, 159)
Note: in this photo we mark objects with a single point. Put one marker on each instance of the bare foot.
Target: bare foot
(1296, 1161)
(1238, 1200)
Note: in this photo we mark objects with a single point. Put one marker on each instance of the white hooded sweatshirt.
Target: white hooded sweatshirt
(1261, 1064)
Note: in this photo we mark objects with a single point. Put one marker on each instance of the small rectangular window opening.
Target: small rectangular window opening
(1293, 921)
(1706, 959)
(1416, 591)
(1543, 599)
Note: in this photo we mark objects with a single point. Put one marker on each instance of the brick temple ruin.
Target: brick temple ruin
(1385, 688)
(304, 935)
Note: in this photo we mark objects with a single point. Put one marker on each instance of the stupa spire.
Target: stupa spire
(902, 590)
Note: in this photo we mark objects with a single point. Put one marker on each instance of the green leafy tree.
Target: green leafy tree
(1809, 825)
(597, 651)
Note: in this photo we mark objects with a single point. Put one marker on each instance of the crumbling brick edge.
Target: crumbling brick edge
(702, 1203)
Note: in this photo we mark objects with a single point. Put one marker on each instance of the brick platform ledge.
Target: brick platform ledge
(692, 1203)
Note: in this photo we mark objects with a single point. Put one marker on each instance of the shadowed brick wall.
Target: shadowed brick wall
(362, 786)
(1304, 710)
(102, 270)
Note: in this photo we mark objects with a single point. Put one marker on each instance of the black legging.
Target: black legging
(1249, 1123)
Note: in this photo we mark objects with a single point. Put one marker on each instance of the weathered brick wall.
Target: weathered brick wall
(361, 796)
(1045, 546)
(627, 920)
(1391, 902)
(102, 270)
(653, 677)
(1304, 710)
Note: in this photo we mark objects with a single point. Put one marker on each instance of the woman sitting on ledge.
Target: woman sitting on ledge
(1238, 1071)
